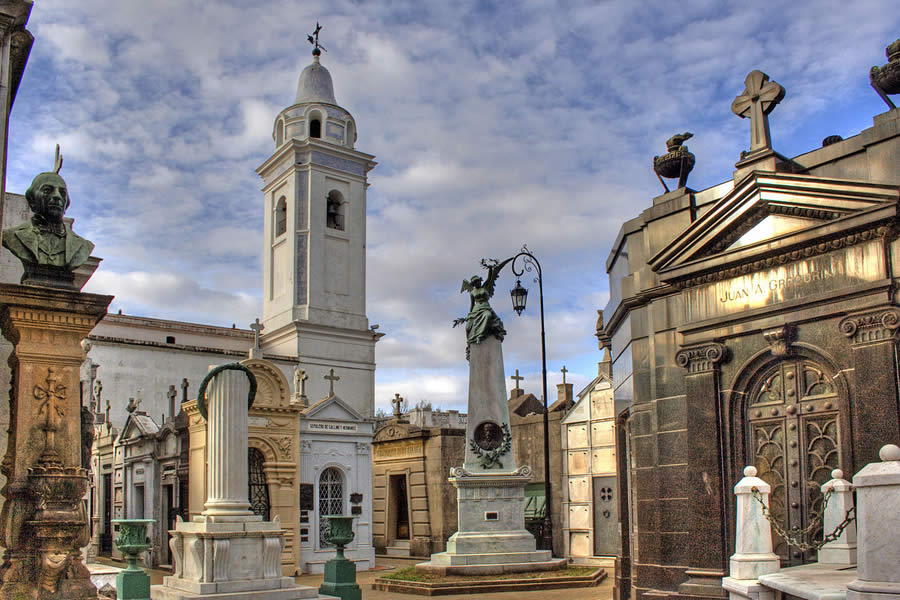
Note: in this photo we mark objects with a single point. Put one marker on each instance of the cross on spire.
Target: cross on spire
(517, 379)
(759, 98)
(331, 377)
(314, 40)
(564, 371)
(397, 402)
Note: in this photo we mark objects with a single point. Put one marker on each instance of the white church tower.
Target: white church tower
(314, 284)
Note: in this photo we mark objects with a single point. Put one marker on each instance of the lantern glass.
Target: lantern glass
(519, 296)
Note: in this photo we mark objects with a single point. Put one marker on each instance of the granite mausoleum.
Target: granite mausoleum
(752, 323)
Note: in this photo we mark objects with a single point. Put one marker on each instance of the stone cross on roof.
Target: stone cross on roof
(171, 395)
(397, 402)
(331, 377)
(184, 389)
(564, 371)
(758, 99)
(517, 379)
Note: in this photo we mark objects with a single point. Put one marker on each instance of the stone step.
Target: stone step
(400, 544)
(397, 551)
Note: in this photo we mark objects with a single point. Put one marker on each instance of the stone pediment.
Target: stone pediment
(770, 214)
(139, 425)
(332, 408)
(525, 405)
(396, 430)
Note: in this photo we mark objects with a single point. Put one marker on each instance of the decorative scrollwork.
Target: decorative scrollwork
(871, 326)
(701, 358)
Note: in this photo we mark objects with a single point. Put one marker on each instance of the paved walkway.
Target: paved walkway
(386, 565)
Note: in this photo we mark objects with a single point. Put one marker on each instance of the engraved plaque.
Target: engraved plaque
(843, 268)
(488, 435)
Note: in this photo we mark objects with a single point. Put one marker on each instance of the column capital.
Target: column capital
(701, 359)
(871, 326)
(780, 339)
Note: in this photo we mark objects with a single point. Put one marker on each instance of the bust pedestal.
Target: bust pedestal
(44, 518)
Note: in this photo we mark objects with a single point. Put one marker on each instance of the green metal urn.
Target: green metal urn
(132, 583)
(340, 573)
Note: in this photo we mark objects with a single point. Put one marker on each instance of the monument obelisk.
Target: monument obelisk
(491, 535)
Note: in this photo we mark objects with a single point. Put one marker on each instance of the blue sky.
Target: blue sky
(494, 125)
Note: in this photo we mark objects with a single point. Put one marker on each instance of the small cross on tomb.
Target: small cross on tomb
(759, 98)
(564, 371)
(184, 389)
(517, 379)
(397, 402)
(257, 327)
(171, 395)
(331, 377)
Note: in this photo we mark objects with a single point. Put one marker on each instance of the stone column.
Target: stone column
(703, 453)
(875, 421)
(226, 446)
(878, 524)
(842, 551)
(44, 518)
(753, 555)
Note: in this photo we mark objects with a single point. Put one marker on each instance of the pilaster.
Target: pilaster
(872, 337)
(704, 471)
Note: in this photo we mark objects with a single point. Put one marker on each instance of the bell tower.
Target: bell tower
(314, 282)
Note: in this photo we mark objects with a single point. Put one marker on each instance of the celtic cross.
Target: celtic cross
(760, 96)
(49, 408)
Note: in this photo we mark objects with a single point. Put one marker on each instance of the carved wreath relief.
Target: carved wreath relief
(490, 442)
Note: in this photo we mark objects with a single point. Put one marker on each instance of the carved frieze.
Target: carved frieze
(284, 447)
(871, 326)
(701, 359)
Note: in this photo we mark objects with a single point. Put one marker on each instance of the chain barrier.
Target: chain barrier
(796, 536)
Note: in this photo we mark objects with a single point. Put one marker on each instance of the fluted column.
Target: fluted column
(226, 445)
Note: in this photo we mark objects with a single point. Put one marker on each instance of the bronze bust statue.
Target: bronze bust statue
(46, 244)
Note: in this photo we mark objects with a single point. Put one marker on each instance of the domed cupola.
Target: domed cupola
(315, 113)
(315, 84)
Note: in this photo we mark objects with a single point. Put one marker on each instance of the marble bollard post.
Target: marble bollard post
(226, 477)
(841, 551)
(753, 554)
(878, 525)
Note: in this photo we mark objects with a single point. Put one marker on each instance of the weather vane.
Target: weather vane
(314, 40)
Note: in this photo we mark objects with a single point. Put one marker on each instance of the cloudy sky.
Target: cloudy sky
(494, 125)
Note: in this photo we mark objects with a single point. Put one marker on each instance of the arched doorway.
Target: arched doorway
(331, 500)
(794, 423)
(259, 488)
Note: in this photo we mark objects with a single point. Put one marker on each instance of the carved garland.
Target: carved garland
(794, 255)
(491, 458)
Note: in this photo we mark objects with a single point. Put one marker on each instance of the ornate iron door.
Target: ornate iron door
(794, 427)
(259, 487)
(331, 500)
(606, 517)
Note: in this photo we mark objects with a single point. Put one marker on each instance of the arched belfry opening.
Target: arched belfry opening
(315, 127)
(334, 211)
(280, 216)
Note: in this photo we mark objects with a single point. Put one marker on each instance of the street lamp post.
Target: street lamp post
(519, 296)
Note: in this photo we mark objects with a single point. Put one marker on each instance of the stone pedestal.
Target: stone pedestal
(878, 525)
(227, 551)
(490, 488)
(753, 555)
(44, 518)
(841, 551)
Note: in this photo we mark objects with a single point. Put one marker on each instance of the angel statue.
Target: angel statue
(482, 322)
